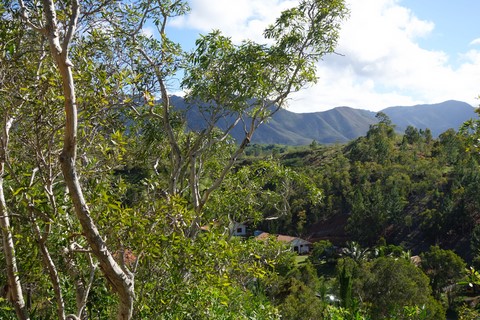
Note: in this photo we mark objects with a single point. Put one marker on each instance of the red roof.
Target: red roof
(263, 236)
(284, 238)
(280, 237)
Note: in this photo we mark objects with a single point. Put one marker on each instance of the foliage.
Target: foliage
(443, 267)
(392, 284)
(338, 313)
(466, 313)
(297, 297)
(265, 189)
(324, 257)
(212, 277)
(98, 232)
(345, 280)
(144, 183)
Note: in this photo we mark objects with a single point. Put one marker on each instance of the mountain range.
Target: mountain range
(343, 124)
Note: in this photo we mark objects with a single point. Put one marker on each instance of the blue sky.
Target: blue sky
(456, 24)
(395, 52)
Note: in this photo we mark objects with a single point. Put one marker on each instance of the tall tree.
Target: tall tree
(234, 86)
(443, 267)
(393, 284)
(47, 24)
(255, 82)
(10, 81)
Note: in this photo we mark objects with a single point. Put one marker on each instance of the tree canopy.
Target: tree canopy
(113, 206)
(79, 82)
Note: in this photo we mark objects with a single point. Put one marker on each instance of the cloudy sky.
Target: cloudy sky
(393, 52)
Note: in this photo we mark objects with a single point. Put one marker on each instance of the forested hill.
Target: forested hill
(411, 189)
(437, 117)
(343, 124)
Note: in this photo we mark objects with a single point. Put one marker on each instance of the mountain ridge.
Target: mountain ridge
(343, 124)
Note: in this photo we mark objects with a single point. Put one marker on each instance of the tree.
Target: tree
(263, 189)
(381, 136)
(323, 252)
(256, 82)
(345, 281)
(10, 37)
(299, 299)
(443, 267)
(369, 207)
(233, 86)
(393, 284)
(354, 251)
(48, 25)
(301, 303)
(475, 240)
(412, 135)
(450, 147)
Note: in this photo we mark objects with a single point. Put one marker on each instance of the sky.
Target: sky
(391, 52)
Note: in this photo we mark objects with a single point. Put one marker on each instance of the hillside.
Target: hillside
(437, 117)
(343, 124)
(338, 125)
(413, 192)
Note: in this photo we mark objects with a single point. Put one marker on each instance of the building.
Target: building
(238, 229)
(298, 245)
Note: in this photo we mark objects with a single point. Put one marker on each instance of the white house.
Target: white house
(298, 245)
(238, 229)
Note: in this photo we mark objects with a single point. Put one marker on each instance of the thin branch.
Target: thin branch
(26, 19)
(72, 25)
(10, 215)
(93, 268)
(49, 265)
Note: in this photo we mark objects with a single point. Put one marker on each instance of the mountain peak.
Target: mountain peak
(343, 124)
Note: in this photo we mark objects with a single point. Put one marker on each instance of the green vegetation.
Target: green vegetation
(110, 207)
(413, 192)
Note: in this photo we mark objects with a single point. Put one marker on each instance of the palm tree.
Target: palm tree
(355, 251)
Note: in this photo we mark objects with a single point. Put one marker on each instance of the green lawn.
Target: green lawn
(301, 259)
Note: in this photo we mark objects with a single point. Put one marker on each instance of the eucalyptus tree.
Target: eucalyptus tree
(232, 86)
(241, 85)
(30, 171)
(57, 23)
(27, 148)
(248, 83)
(10, 39)
(265, 190)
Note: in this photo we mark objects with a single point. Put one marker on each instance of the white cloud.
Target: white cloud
(239, 19)
(475, 42)
(381, 63)
(148, 31)
(384, 66)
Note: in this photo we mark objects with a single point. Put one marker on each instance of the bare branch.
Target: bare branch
(83, 303)
(72, 25)
(49, 265)
(26, 19)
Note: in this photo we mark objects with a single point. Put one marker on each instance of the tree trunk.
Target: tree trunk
(14, 293)
(122, 281)
(51, 269)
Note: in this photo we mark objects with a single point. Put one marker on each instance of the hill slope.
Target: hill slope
(343, 124)
(437, 117)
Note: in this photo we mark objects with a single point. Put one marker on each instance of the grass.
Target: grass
(301, 259)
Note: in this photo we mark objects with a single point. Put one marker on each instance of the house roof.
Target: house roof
(280, 237)
(285, 238)
(263, 236)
